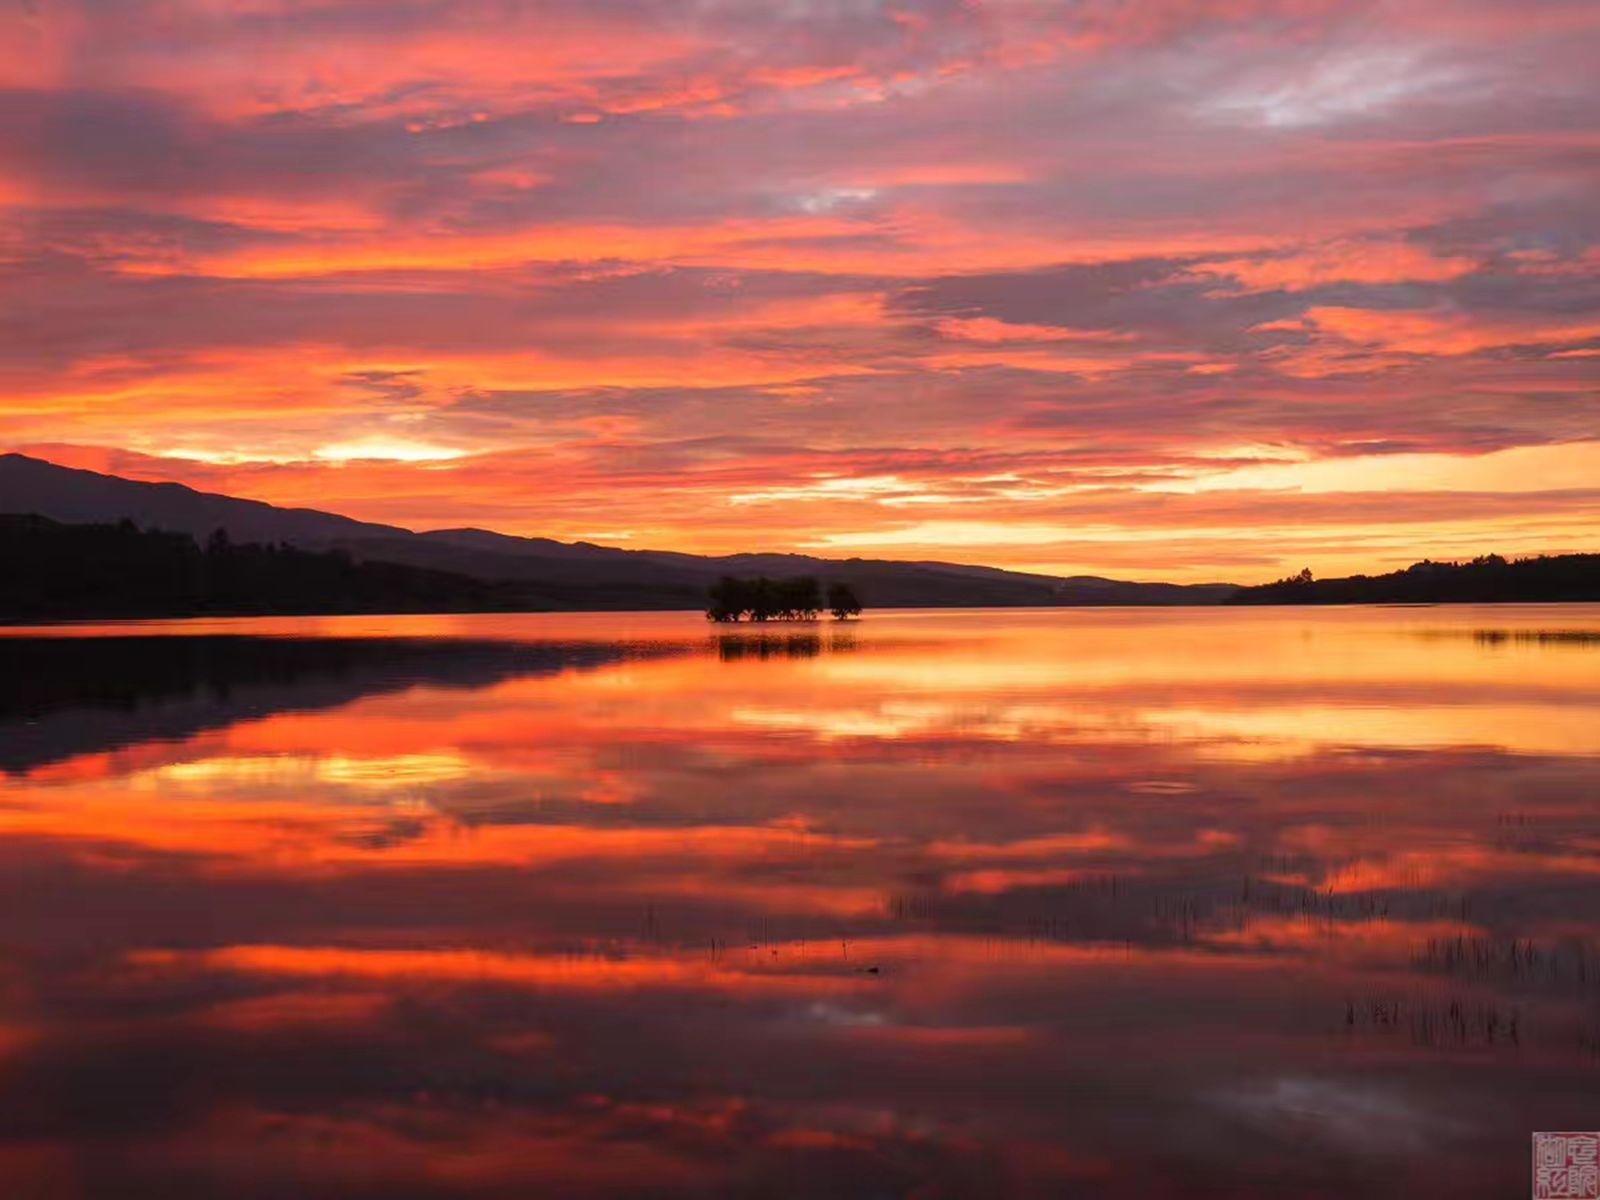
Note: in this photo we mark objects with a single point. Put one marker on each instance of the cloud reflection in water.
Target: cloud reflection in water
(1015, 903)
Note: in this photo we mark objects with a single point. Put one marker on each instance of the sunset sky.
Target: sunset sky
(1185, 289)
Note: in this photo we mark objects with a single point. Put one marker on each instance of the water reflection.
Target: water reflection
(1112, 903)
(64, 697)
(732, 647)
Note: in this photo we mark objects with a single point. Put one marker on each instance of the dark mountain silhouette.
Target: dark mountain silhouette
(1489, 579)
(549, 574)
(74, 497)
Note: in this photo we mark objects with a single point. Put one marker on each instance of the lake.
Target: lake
(1127, 903)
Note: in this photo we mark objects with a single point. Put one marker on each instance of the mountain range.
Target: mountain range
(549, 574)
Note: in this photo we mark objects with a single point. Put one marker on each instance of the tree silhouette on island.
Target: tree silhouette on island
(763, 599)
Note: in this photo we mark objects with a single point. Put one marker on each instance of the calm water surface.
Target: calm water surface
(1128, 903)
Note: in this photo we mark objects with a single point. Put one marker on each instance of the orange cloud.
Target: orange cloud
(1343, 262)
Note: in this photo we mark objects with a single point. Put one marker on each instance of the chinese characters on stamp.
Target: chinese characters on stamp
(1566, 1166)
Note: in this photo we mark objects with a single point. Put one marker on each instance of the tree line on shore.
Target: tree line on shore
(1487, 579)
(761, 599)
(58, 572)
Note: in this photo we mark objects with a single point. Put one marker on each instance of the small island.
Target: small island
(762, 599)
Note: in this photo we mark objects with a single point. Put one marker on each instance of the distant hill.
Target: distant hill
(547, 573)
(1487, 580)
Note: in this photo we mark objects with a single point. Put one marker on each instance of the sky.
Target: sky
(1183, 289)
